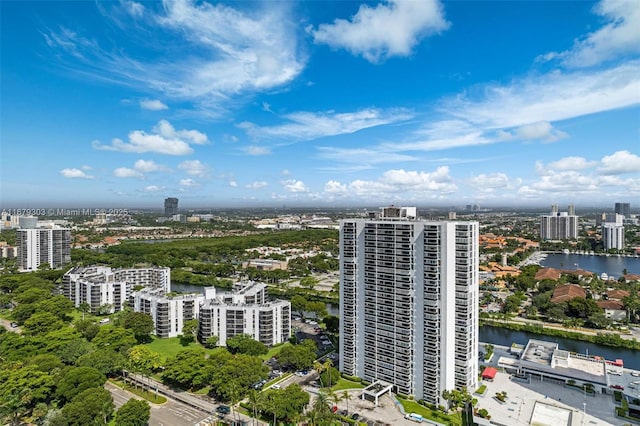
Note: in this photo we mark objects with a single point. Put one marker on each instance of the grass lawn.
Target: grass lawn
(275, 350)
(413, 407)
(149, 396)
(346, 384)
(171, 346)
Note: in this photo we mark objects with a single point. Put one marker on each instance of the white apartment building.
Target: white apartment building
(409, 302)
(101, 285)
(37, 246)
(169, 311)
(559, 225)
(613, 236)
(244, 311)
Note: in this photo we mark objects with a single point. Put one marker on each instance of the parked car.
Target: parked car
(223, 409)
(617, 387)
(275, 387)
(635, 373)
(14, 324)
(355, 416)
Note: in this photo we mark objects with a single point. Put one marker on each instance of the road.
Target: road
(7, 324)
(199, 403)
(170, 413)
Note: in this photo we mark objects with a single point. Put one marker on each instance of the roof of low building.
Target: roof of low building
(567, 292)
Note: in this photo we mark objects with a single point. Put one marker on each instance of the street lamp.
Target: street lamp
(584, 411)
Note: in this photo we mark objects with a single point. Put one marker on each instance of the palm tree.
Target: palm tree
(319, 368)
(84, 308)
(346, 397)
(328, 364)
(254, 399)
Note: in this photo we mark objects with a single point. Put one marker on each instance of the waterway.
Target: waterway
(505, 337)
(613, 265)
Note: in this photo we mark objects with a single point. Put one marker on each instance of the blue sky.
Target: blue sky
(319, 103)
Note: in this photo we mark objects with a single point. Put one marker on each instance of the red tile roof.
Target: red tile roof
(567, 292)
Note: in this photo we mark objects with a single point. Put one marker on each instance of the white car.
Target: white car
(275, 387)
(635, 373)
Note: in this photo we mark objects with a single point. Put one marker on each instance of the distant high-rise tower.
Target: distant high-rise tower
(39, 246)
(571, 210)
(559, 225)
(170, 206)
(624, 209)
(409, 303)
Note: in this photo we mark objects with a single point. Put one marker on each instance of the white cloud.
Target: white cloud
(233, 184)
(194, 168)
(221, 52)
(153, 105)
(552, 97)
(305, 125)
(124, 172)
(542, 130)
(165, 129)
(620, 162)
(571, 163)
(618, 37)
(188, 182)
(75, 173)
(257, 150)
(392, 28)
(285, 172)
(488, 183)
(293, 185)
(397, 184)
(153, 188)
(335, 187)
(164, 140)
(135, 9)
(85, 167)
(364, 157)
(257, 184)
(148, 166)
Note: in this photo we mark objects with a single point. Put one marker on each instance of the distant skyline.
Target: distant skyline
(320, 104)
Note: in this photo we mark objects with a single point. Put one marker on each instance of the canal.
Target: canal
(505, 337)
(612, 265)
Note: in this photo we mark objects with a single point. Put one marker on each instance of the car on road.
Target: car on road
(14, 324)
(355, 416)
(275, 387)
(635, 373)
(617, 387)
(223, 409)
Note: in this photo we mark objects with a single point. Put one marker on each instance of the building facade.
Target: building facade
(559, 225)
(409, 303)
(37, 246)
(108, 290)
(624, 209)
(169, 312)
(613, 236)
(170, 206)
(244, 311)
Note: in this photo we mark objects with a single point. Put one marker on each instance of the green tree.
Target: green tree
(298, 304)
(239, 372)
(309, 282)
(245, 344)
(78, 379)
(133, 413)
(332, 323)
(115, 338)
(190, 329)
(140, 323)
(21, 388)
(106, 361)
(318, 308)
(87, 328)
(84, 308)
(92, 406)
(41, 323)
(188, 369)
(298, 357)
